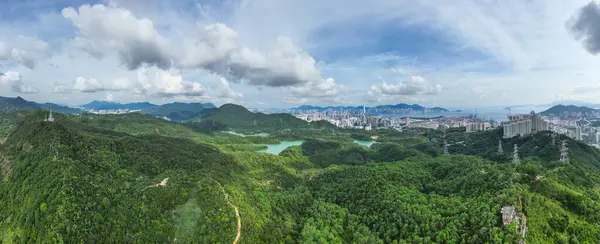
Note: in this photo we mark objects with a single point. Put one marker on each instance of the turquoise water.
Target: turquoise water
(364, 143)
(242, 135)
(278, 148)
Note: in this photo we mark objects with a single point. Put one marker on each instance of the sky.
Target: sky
(277, 54)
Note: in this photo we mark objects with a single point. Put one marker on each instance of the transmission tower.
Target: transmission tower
(516, 159)
(446, 148)
(500, 149)
(553, 138)
(564, 152)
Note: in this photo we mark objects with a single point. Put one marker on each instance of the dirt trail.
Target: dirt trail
(163, 183)
(237, 214)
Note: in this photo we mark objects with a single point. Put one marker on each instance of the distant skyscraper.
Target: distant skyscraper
(364, 114)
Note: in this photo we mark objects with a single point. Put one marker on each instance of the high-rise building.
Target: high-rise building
(478, 126)
(578, 132)
(524, 124)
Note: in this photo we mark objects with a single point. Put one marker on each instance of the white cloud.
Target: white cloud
(14, 80)
(61, 88)
(105, 29)
(108, 97)
(218, 49)
(325, 88)
(92, 85)
(87, 85)
(226, 91)
(523, 49)
(416, 85)
(23, 50)
(167, 83)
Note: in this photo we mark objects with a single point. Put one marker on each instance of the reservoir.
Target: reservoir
(278, 148)
(364, 143)
(242, 135)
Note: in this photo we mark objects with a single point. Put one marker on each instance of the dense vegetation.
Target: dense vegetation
(97, 178)
(179, 111)
(238, 118)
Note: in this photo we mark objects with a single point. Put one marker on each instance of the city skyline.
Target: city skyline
(269, 54)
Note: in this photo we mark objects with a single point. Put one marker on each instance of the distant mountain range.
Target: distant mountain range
(11, 104)
(105, 105)
(567, 109)
(380, 108)
(174, 111)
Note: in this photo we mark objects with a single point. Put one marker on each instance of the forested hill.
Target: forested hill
(134, 178)
(238, 118)
(567, 109)
(179, 111)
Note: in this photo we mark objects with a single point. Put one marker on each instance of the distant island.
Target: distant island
(567, 109)
(398, 108)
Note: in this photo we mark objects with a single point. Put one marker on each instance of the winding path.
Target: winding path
(237, 214)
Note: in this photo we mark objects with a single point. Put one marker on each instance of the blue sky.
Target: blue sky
(268, 53)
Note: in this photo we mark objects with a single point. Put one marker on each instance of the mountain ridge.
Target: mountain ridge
(10, 104)
(403, 106)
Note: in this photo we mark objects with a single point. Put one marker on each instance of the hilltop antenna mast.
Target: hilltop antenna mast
(564, 152)
(500, 149)
(516, 159)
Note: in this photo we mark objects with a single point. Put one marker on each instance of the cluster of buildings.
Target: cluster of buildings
(112, 111)
(478, 126)
(517, 124)
(524, 124)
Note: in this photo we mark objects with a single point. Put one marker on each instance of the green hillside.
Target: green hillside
(238, 118)
(179, 111)
(134, 178)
